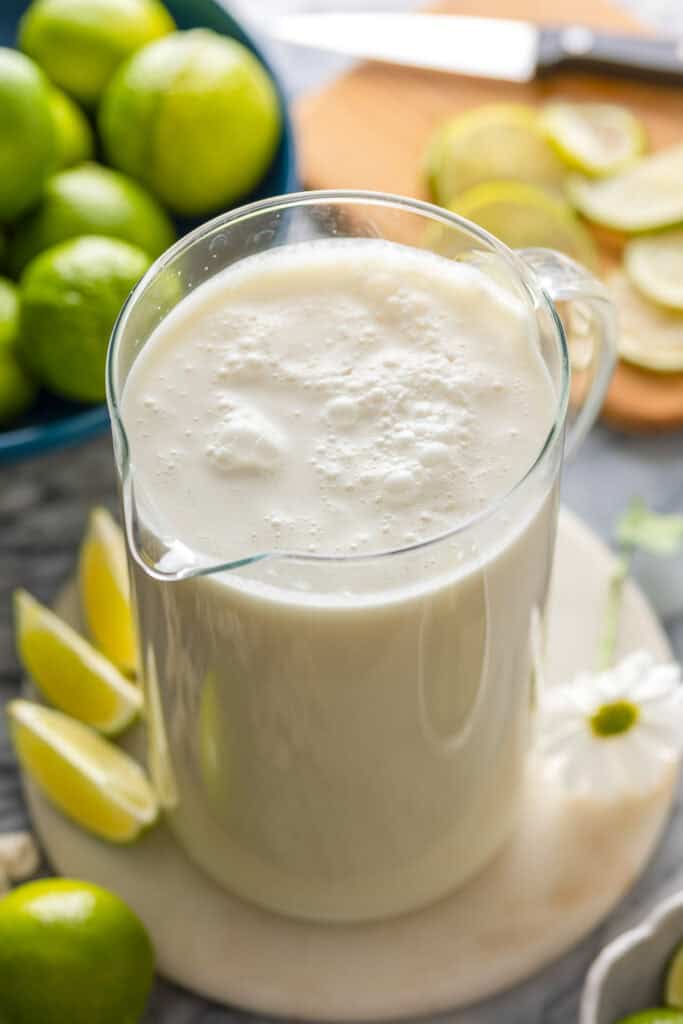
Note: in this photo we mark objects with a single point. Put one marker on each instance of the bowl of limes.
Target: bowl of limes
(122, 126)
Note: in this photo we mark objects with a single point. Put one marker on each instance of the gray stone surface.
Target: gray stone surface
(43, 508)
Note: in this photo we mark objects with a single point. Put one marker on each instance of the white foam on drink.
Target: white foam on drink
(335, 397)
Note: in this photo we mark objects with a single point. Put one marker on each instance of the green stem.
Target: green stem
(610, 623)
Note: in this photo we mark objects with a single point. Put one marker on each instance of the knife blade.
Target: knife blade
(502, 48)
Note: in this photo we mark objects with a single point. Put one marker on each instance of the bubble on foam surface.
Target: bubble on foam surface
(402, 485)
(342, 411)
(245, 440)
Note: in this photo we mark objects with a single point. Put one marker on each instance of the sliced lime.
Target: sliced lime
(644, 197)
(655, 265)
(522, 215)
(495, 142)
(594, 138)
(673, 989)
(70, 672)
(649, 335)
(94, 783)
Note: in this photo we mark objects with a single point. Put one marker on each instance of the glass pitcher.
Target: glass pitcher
(345, 738)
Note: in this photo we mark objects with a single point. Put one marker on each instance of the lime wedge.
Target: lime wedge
(594, 138)
(655, 265)
(70, 672)
(495, 142)
(673, 988)
(523, 215)
(646, 196)
(94, 783)
(103, 582)
(649, 335)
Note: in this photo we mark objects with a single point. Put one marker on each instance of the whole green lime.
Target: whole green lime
(195, 117)
(18, 391)
(92, 200)
(75, 140)
(70, 297)
(28, 146)
(9, 315)
(80, 43)
(71, 953)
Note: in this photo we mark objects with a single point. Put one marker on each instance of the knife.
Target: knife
(503, 48)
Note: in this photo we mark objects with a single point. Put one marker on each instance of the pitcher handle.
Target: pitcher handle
(590, 323)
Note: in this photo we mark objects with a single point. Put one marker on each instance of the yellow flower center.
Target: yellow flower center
(614, 719)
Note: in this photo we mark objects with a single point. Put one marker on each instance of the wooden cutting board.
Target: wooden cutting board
(369, 129)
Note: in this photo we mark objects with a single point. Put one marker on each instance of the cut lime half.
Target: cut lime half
(646, 196)
(655, 265)
(649, 335)
(522, 216)
(94, 783)
(594, 138)
(70, 672)
(495, 142)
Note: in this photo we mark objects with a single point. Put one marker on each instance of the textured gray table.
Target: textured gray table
(43, 507)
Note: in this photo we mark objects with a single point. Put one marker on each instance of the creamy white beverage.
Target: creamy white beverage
(340, 733)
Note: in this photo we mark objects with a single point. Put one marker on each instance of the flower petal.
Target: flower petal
(660, 681)
(634, 761)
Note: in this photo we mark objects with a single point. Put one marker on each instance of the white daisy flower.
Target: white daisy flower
(613, 733)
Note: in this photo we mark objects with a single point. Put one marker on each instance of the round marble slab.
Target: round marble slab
(568, 864)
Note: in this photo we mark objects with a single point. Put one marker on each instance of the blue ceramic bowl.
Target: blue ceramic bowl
(54, 422)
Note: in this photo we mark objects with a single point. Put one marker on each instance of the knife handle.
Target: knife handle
(579, 48)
